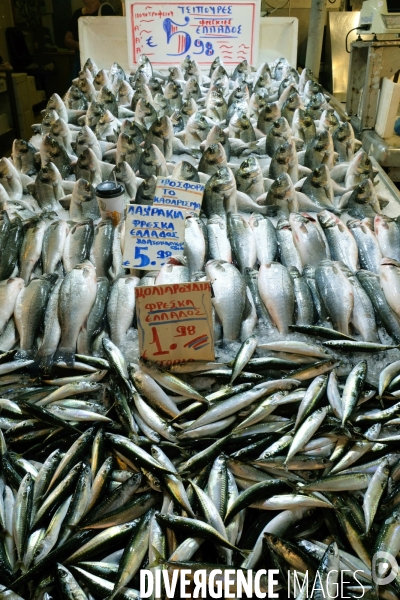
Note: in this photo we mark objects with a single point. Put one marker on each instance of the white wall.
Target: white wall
(6, 20)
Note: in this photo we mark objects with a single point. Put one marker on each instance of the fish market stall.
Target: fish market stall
(232, 208)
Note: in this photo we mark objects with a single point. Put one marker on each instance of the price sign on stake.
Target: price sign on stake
(175, 322)
(179, 194)
(152, 234)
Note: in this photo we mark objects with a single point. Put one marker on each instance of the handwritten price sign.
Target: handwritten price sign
(152, 234)
(179, 194)
(175, 322)
(167, 31)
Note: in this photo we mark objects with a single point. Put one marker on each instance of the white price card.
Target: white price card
(167, 32)
(175, 193)
(175, 322)
(152, 235)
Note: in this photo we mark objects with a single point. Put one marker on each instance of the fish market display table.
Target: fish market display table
(117, 453)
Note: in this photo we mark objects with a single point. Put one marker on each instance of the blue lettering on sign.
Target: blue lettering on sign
(206, 10)
(150, 43)
(151, 211)
(186, 185)
(183, 39)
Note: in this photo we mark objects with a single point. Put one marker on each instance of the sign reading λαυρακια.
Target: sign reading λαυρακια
(175, 323)
(176, 193)
(152, 235)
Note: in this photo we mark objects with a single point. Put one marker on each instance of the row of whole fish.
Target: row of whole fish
(180, 470)
(70, 283)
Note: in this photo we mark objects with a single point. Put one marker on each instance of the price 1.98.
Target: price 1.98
(182, 331)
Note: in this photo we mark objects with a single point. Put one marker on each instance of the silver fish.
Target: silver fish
(29, 311)
(77, 295)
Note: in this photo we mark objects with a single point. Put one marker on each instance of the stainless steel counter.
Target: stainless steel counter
(386, 152)
(386, 188)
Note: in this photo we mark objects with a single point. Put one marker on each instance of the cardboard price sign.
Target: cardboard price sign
(167, 31)
(152, 234)
(175, 322)
(179, 194)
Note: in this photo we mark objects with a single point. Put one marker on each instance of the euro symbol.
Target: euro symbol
(150, 43)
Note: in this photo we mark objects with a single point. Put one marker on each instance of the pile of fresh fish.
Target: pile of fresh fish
(291, 235)
(259, 464)
(111, 464)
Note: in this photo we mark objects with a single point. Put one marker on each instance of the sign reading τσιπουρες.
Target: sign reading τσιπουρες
(167, 32)
(174, 322)
(175, 193)
(152, 235)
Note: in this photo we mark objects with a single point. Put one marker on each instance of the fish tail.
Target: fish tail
(65, 355)
(19, 566)
(23, 355)
(45, 363)
(158, 559)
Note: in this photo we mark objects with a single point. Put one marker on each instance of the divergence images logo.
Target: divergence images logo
(384, 568)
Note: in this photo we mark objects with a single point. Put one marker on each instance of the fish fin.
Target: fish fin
(20, 566)
(65, 355)
(45, 363)
(23, 355)
(344, 430)
(158, 559)
(272, 210)
(382, 202)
